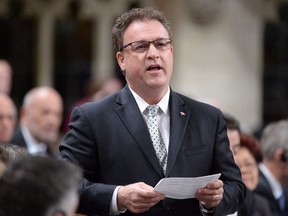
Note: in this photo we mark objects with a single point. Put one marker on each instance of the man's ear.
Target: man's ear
(121, 60)
(281, 156)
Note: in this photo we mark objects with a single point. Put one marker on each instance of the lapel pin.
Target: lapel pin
(182, 114)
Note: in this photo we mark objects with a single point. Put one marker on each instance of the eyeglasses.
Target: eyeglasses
(142, 46)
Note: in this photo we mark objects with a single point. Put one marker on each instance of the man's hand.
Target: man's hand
(138, 197)
(211, 195)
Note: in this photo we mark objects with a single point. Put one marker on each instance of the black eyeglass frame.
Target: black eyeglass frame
(165, 41)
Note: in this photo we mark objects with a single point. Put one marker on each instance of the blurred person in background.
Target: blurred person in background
(107, 87)
(40, 121)
(10, 152)
(273, 179)
(8, 118)
(234, 134)
(5, 76)
(103, 88)
(247, 158)
(39, 186)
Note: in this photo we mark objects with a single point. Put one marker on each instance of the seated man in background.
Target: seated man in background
(40, 121)
(39, 186)
(8, 117)
(273, 178)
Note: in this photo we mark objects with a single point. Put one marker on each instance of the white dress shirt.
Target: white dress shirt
(33, 147)
(273, 182)
(163, 117)
(164, 127)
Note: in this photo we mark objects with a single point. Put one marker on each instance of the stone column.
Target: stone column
(45, 49)
(103, 14)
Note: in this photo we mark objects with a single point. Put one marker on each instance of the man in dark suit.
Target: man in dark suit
(113, 144)
(40, 121)
(273, 179)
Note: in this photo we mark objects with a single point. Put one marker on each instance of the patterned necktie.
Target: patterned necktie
(155, 135)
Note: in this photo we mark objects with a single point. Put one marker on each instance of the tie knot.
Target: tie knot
(152, 110)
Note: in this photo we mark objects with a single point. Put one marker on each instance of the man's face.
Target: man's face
(43, 118)
(151, 69)
(7, 119)
(234, 139)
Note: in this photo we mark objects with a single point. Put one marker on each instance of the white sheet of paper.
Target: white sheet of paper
(183, 188)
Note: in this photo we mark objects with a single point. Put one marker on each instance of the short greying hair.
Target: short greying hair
(10, 152)
(136, 14)
(33, 185)
(274, 136)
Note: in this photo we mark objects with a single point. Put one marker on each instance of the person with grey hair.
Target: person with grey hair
(273, 180)
(10, 152)
(40, 121)
(39, 186)
(128, 141)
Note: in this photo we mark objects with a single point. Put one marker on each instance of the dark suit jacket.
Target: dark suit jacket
(109, 139)
(249, 208)
(254, 205)
(18, 138)
(262, 205)
(263, 188)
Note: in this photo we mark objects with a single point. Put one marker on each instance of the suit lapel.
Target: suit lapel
(132, 118)
(179, 116)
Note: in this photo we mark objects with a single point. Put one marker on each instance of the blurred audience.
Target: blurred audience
(39, 186)
(107, 87)
(8, 117)
(100, 90)
(40, 121)
(273, 179)
(233, 133)
(246, 160)
(5, 76)
(250, 207)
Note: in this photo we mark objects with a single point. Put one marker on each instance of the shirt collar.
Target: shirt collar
(163, 103)
(274, 184)
(32, 145)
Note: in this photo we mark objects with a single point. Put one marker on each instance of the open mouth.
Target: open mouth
(154, 67)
